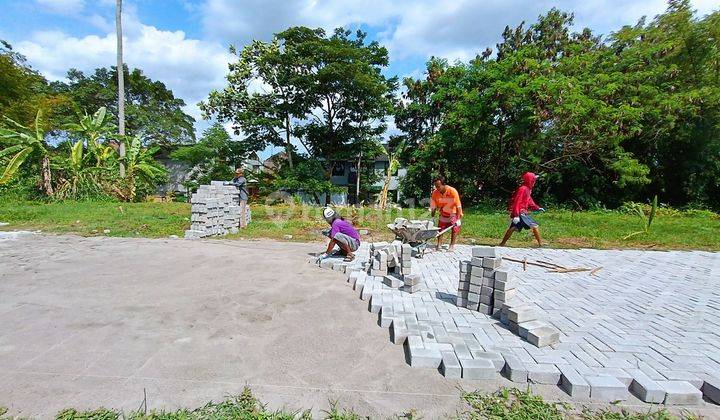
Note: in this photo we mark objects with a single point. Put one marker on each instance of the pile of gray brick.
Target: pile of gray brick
(393, 262)
(215, 210)
(485, 286)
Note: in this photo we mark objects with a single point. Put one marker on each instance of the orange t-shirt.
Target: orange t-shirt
(448, 202)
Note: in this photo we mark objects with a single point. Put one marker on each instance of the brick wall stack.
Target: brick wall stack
(215, 210)
(487, 287)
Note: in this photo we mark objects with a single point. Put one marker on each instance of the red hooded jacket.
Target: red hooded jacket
(521, 200)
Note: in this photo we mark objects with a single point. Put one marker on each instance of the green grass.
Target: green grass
(505, 404)
(671, 229)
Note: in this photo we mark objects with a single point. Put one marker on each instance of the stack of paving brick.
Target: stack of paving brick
(393, 262)
(215, 211)
(477, 280)
(488, 288)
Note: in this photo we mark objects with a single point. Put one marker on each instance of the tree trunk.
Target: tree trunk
(357, 181)
(121, 83)
(288, 146)
(47, 176)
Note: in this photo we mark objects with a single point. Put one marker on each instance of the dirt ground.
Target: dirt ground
(88, 322)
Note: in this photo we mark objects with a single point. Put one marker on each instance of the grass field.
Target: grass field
(671, 229)
(510, 404)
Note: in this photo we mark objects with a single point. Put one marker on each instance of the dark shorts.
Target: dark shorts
(526, 222)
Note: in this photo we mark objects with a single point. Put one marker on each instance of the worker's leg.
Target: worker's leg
(346, 244)
(536, 234)
(507, 236)
(243, 215)
(453, 238)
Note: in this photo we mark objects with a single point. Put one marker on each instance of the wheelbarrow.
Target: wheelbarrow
(416, 233)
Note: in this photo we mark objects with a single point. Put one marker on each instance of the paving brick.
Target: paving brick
(491, 262)
(572, 383)
(606, 388)
(505, 285)
(477, 369)
(521, 314)
(543, 336)
(484, 251)
(679, 375)
(506, 295)
(524, 327)
(425, 358)
(450, 366)
(680, 393)
(515, 370)
(543, 373)
(496, 358)
(646, 389)
(484, 308)
(711, 389)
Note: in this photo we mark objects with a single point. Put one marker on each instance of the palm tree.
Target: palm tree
(121, 84)
(22, 142)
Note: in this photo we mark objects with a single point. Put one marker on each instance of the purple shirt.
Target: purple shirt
(343, 226)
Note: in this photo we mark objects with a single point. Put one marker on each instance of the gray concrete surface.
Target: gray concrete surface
(86, 322)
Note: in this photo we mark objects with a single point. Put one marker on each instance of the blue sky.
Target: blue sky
(183, 43)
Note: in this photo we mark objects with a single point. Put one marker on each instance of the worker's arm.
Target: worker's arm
(330, 246)
(433, 205)
(458, 205)
(531, 204)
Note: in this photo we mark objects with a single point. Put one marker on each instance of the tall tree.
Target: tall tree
(262, 97)
(152, 111)
(351, 98)
(120, 84)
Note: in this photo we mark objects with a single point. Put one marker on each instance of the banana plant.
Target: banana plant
(94, 128)
(21, 142)
(75, 176)
(140, 166)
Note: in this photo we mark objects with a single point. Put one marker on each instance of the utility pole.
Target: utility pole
(121, 84)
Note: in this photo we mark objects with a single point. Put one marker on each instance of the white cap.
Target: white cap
(328, 212)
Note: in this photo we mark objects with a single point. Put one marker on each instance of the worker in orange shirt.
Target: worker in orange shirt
(447, 199)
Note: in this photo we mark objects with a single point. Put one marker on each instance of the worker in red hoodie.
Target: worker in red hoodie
(522, 202)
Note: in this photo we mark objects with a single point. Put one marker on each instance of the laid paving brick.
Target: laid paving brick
(646, 389)
(681, 393)
(711, 389)
(496, 358)
(543, 373)
(425, 358)
(573, 383)
(478, 369)
(607, 388)
(514, 369)
(637, 324)
(450, 366)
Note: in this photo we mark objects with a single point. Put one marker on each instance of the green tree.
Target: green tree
(262, 96)
(215, 156)
(152, 110)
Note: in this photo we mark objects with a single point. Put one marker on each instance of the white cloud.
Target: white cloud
(454, 29)
(64, 7)
(190, 67)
